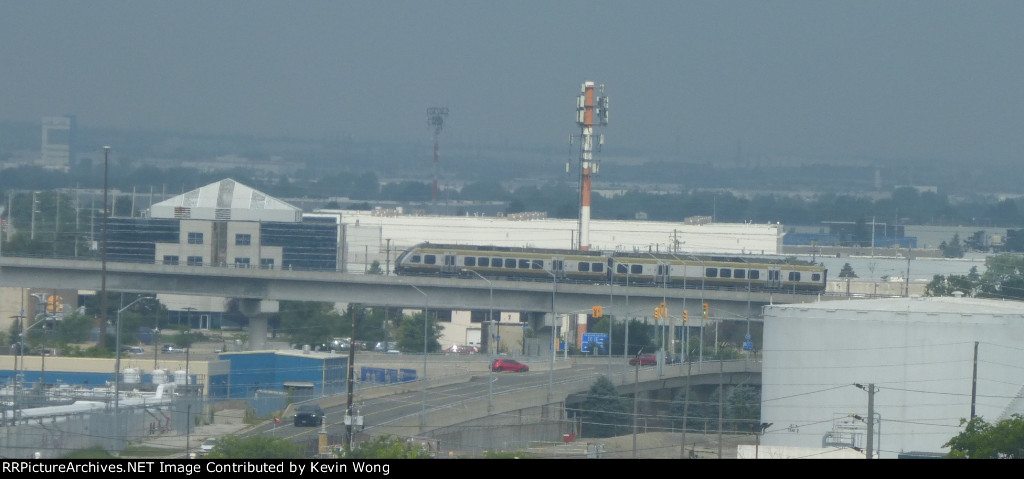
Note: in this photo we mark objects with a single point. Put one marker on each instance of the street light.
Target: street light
(551, 369)
(423, 395)
(490, 348)
(117, 361)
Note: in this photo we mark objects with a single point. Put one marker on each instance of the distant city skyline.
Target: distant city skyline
(696, 80)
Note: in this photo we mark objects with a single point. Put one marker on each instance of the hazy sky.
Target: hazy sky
(815, 79)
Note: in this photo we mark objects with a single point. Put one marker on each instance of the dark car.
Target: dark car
(309, 415)
(643, 360)
(509, 365)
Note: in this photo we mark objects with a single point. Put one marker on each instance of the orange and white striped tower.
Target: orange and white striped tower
(591, 110)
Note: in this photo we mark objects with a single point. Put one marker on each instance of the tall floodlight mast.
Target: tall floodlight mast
(591, 110)
(435, 120)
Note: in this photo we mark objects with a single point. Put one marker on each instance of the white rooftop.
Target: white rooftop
(364, 227)
(226, 199)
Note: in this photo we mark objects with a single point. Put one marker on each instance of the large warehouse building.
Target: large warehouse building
(821, 359)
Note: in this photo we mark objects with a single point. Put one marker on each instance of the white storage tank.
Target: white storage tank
(159, 376)
(130, 376)
(180, 377)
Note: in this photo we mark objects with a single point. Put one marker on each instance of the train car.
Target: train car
(710, 272)
(717, 272)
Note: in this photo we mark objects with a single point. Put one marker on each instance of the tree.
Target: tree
(847, 271)
(254, 447)
(981, 440)
(744, 407)
(386, 447)
(604, 412)
(410, 335)
(310, 322)
(953, 249)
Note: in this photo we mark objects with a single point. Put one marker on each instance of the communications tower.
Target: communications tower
(591, 110)
(435, 120)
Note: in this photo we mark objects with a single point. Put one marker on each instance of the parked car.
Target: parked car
(309, 415)
(502, 364)
(643, 360)
(207, 446)
(132, 350)
(339, 344)
(385, 347)
(460, 349)
(172, 349)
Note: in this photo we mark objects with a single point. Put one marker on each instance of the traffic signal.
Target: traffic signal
(598, 311)
(657, 312)
(705, 310)
(685, 318)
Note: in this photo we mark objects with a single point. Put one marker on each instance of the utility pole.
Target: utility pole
(974, 380)
(869, 450)
(351, 373)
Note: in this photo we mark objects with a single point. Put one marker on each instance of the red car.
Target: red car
(509, 365)
(643, 360)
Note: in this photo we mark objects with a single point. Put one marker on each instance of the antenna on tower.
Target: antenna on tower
(591, 110)
(435, 120)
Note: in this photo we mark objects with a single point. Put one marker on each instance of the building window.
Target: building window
(243, 239)
(170, 259)
(195, 260)
(241, 262)
(267, 263)
(195, 238)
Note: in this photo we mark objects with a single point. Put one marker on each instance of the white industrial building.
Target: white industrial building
(919, 353)
(369, 235)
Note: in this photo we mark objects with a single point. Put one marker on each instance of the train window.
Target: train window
(711, 272)
(622, 268)
(510, 263)
(524, 264)
(755, 274)
(597, 267)
(739, 273)
(816, 277)
(794, 276)
(495, 262)
(483, 261)
(414, 259)
(429, 259)
(584, 267)
(636, 268)
(470, 261)
(538, 264)
(725, 273)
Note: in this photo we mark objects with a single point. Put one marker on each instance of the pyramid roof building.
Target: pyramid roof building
(226, 200)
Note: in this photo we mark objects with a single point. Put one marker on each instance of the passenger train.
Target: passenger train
(635, 269)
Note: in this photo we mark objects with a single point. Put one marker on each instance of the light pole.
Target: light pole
(551, 370)
(117, 360)
(103, 255)
(490, 348)
(423, 395)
